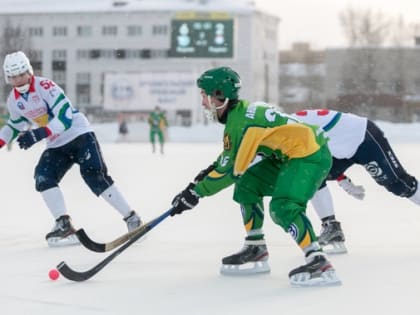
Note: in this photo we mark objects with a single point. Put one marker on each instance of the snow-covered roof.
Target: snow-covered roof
(75, 6)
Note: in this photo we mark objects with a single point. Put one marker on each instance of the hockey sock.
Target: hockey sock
(323, 203)
(303, 233)
(253, 219)
(54, 200)
(113, 196)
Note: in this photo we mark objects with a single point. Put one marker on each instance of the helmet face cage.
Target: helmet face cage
(15, 64)
(221, 83)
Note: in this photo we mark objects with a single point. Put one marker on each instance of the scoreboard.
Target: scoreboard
(205, 35)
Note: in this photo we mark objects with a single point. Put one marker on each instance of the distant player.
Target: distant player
(40, 104)
(266, 153)
(122, 129)
(158, 123)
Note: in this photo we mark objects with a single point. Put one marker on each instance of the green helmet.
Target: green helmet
(220, 82)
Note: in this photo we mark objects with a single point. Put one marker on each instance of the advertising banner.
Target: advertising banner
(143, 91)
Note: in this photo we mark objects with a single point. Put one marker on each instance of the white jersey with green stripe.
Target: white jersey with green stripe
(346, 131)
(44, 105)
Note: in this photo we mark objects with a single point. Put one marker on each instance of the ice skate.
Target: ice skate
(133, 221)
(63, 233)
(332, 238)
(251, 259)
(317, 272)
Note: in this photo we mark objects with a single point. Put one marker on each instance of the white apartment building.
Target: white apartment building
(131, 55)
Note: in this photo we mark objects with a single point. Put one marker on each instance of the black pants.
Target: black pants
(378, 158)
(85, 151)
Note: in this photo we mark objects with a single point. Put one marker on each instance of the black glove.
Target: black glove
(30, 137)
(200, 176)
(185, 200)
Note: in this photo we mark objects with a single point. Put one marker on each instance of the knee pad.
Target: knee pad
(43, 183)
(405, 186)
(283, 211)
(97, 180)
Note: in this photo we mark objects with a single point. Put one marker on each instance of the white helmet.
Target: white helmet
(16, 63)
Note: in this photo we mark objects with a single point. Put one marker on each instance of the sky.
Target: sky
(317, 21)
(175, 268)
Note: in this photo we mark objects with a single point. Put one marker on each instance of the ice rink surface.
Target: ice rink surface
(175, 269)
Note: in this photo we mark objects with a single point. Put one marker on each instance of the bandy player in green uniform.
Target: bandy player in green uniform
(266, 153)
(158, 123)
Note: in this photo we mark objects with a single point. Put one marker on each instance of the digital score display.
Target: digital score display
(202, 38)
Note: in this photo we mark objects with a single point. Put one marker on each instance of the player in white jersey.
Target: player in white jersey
(38, 110)
(353, 140)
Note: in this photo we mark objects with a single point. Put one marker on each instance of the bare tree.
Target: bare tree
(12, 38)
(414, 32)
(365, 27)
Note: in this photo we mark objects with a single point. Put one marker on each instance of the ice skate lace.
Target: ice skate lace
(327, 228)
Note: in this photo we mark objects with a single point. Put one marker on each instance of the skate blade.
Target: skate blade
(327, 278)
(335, 248)
(61, 242)
(250, 268)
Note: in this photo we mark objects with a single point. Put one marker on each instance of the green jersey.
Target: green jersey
(257, 131)
(157, 121)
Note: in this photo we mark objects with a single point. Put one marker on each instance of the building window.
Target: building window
(83, 94)
(59, 61)
(83, 88)
(59, 54)
(145, 54)
(36, 31)
(134, 30)
(94, 53)
(108, 53)
(35, 56)
(133, 53)
(84, 31)
(36, 66)
(59, 77)
(120, 53)
(60, 31)
(82, 54)
(83, 77)
(109, 30)
(59, 65)
(159, 53)
(160, 29)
